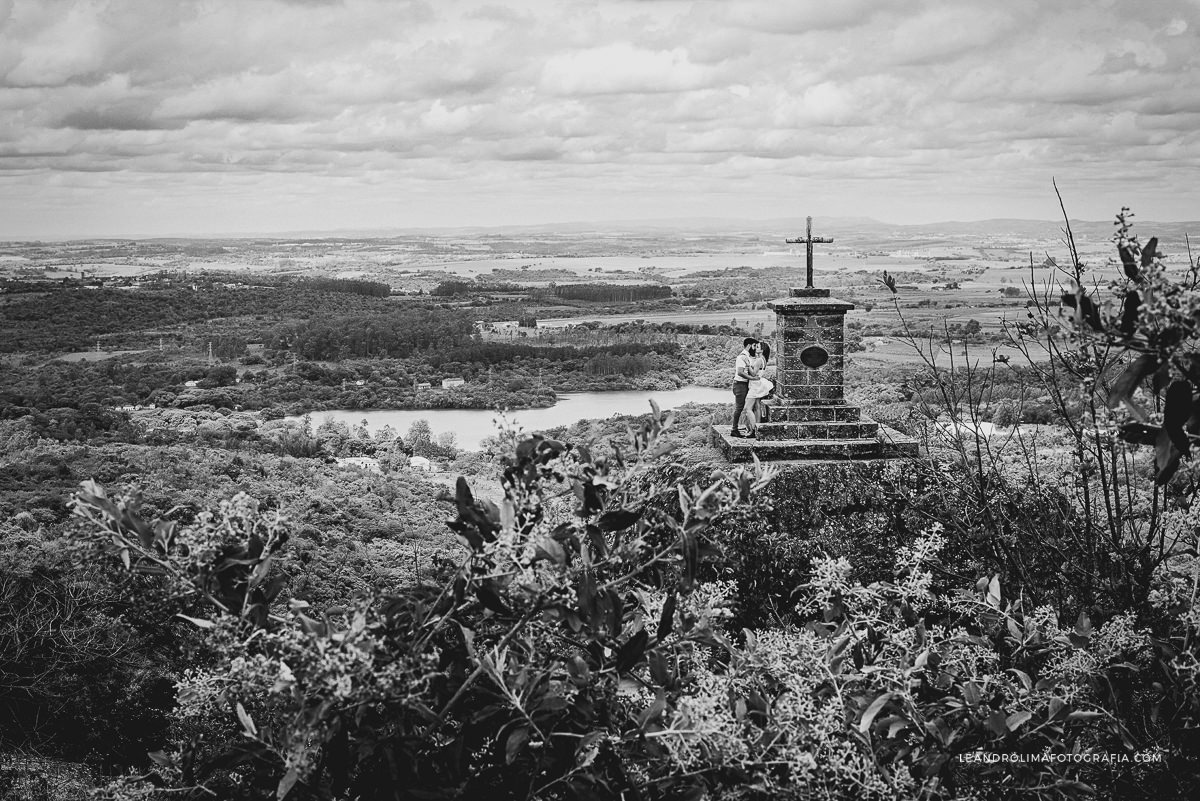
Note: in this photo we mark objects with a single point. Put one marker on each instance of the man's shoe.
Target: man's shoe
(738, 435)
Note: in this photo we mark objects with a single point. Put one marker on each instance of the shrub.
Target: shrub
(525, 659)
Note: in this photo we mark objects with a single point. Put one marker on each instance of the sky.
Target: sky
(195, 117)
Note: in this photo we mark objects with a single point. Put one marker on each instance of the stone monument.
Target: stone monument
(808, 418)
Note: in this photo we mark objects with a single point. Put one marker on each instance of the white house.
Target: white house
(368, 463)
(453, 382)
(420, 463)
(424, 385)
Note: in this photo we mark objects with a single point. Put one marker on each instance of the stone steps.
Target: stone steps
(861, 429)
(888, 443)
(780, 411)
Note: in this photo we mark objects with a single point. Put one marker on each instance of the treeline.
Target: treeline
(454, 287)
(17, 286)
(394, 333)
(642, 327)
(71, 318)
(608, 364)
(354, 286)
(496, 353)
(604, 293)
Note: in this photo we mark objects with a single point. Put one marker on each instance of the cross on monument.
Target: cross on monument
(808, 241)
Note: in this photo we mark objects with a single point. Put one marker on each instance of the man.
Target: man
(742, 374)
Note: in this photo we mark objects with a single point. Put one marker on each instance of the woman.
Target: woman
(760, 387)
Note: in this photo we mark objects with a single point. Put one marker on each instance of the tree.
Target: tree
(334, 436)
(447, 445)
(420, 438)
(393, 456)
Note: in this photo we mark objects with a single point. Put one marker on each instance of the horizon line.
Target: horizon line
(681, 223)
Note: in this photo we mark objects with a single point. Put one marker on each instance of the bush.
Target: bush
(359, 698)
(79, 675)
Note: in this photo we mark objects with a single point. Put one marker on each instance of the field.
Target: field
(948, 274)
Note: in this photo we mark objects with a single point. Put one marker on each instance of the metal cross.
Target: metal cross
(808, 241)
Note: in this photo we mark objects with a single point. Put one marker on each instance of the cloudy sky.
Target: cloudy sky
(148, 117)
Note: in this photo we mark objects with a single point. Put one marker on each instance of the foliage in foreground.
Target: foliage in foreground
(577, 654)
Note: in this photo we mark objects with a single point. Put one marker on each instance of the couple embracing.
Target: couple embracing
(749, 386)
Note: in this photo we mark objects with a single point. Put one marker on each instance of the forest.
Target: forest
(198, 601)
(70, 316)
(612, 292)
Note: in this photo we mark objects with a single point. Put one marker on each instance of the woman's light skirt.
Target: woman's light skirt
(760, 388)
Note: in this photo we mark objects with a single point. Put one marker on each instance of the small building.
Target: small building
(368, 463)
(508, 327)
(424, 385)
(453, 382)
(255, 348)
(191, 384)
(420, 463)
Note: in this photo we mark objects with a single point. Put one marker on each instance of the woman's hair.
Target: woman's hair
(766, 351)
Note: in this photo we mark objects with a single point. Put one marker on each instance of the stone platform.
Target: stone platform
(886, 444)
(815, 431)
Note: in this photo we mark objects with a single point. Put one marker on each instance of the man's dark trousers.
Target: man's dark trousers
(740, 390)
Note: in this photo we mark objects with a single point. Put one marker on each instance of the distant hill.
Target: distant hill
(782, 226)
(713, 229)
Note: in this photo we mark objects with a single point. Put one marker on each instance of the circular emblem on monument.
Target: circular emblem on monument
(814, 356)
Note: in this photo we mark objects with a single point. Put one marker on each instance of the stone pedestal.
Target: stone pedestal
(808, 418)
(810, 338)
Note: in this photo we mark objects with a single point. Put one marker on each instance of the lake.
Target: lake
(471, 426)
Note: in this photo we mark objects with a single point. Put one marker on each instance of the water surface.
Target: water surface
(470, 426)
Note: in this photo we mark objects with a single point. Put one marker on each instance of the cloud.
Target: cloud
(623, 69)
(686, 102)
(115, 119)
(247, 97)
(799, 16)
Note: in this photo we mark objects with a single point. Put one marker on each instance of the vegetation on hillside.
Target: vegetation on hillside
(200, 603)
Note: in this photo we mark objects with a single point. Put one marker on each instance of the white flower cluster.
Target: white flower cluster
(914, 582)
(962, 655)
(784, 699)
